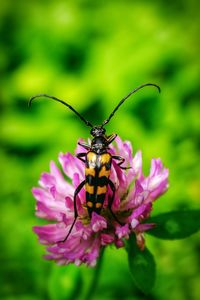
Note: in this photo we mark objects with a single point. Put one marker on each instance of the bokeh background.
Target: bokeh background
(92, 53)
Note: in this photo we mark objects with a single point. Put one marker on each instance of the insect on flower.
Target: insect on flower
(98, 163)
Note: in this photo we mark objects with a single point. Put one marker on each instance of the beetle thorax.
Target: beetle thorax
(99, 144)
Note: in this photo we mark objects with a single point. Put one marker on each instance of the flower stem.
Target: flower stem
(95, 279)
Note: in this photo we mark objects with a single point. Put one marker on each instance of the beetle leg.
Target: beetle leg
(111, 184)
(111, 138)
(84, 145)
(122, 160)
(75, 209)
(80, 155)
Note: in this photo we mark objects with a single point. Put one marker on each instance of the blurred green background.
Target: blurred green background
(92, 53)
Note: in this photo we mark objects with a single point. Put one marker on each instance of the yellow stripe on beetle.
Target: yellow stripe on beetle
(98, 205)
(89, 188)
(105, 158)
(104, 172)
(90, 171)
(101, 190)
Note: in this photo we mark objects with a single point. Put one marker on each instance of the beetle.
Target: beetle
(98, 162)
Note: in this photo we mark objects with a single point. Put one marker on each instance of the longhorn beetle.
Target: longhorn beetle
(98, 162)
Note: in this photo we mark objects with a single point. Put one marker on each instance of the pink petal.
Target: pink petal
(122, 231)
(140, 212)
(144, 227)
(137, 164)
(47, 199)
(98, 222)
(106, 239)
(42, 211)
(47, 180)
(51, 233)
(62, 185)
(71, 165)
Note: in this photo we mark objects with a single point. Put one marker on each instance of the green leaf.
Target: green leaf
(175, 225)
(142, 266)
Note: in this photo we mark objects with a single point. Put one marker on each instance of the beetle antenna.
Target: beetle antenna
(63, 102)
(122, 101)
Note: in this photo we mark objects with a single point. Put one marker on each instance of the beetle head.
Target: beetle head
(97, 131)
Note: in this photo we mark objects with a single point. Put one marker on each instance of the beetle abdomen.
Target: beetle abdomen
(97, 172)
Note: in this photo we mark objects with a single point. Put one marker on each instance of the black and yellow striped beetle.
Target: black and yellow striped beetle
(98, 162)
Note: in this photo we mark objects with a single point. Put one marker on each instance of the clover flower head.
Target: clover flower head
(132, 205)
